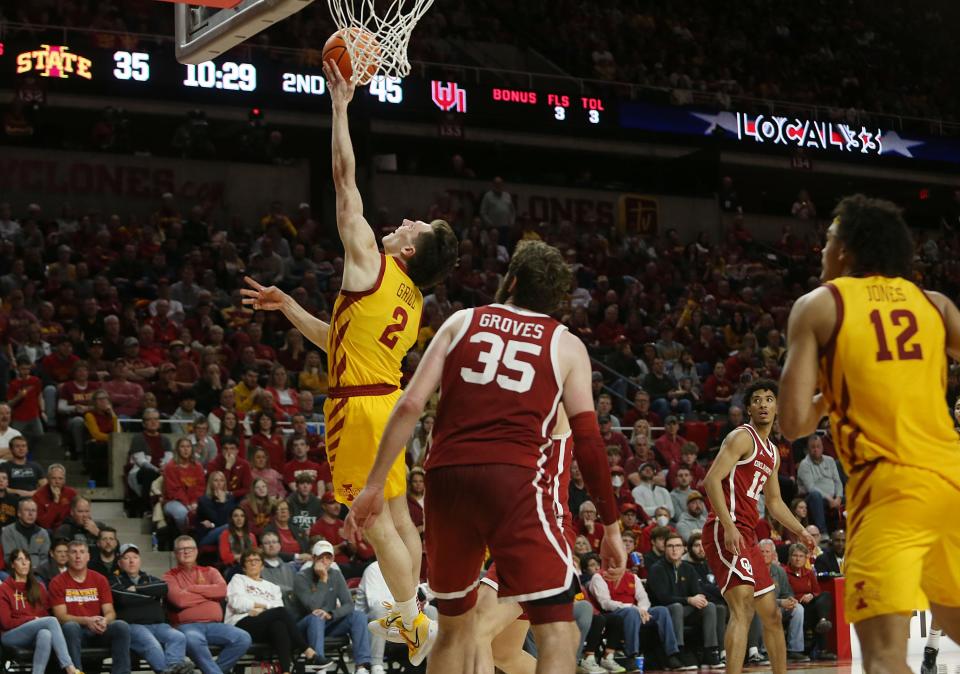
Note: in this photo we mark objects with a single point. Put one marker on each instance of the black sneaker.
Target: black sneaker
(929, 665)
(797, 656)
(319, 663)
(711, 657)
(824, 626)
(673, 662)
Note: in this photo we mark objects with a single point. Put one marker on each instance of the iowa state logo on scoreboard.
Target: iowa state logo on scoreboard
(54, 61)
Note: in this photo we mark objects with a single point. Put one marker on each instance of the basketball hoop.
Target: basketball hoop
(391, 28)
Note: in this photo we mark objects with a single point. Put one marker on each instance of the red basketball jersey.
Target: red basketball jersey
(744, 485)
(499, 390)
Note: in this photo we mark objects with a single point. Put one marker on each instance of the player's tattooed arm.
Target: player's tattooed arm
(811, 323)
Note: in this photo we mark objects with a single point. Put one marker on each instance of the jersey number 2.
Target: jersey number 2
(505, 353)
(387, 336)
(898, 317)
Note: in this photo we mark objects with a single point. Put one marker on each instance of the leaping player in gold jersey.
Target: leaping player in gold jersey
(876, 347)
(375, 321)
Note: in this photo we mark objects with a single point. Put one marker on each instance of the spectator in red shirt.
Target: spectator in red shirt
(57, 368)
(236, 538)
(740, 361)
(293, 541)
(612, 437)
(150, 351)
(265, 436)
(187, 372)
(54, 498)
(329, 526)
(667, 447)
(817, 605)
(124, 394)
(718, 390)
(316, 447)
(25, 397)
(164, 330)
(641, 410)
(300, 463)
(234, 467)
(75, 400)
(587, 525)
(265, 355)
(259, 506)
(610, 328)
(25, 613)
(260, 470)
(91, 621)
(183, 484)
(285, 398)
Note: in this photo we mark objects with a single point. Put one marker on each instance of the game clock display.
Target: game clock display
(265, 84)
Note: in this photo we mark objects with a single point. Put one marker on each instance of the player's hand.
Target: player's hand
(613, 556)
(363, 513)
(262, 297)
(808, 540)
(732, 540)
(341, 89)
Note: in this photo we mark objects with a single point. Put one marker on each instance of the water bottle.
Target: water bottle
(638, 664)
(635, 559)
(91, 484)
(155, 542)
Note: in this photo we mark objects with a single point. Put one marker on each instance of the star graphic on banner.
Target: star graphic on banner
(894, 144)
(725, 120)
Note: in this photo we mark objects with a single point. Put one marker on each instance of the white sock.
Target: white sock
(408, 611)
(933, 639)
(753, 651)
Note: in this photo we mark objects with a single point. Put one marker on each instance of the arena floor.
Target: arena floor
(946, 664)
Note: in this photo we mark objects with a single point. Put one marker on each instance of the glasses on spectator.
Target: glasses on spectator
(589, 512)
(186, 548)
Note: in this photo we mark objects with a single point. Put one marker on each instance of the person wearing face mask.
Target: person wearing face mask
(620, 487)
(694, 517)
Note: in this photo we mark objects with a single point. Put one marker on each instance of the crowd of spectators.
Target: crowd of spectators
(134, 322)
(852, 56)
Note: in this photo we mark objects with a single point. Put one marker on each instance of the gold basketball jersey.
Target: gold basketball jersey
(884, 374)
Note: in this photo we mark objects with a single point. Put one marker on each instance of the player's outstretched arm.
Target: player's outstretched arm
(588, 450)
(951, 318)
(271, 298)
(358, 240)
(779, 510)
(403, 419)
(734, 448)
(812, 320)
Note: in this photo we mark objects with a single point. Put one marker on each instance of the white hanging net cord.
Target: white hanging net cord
(390, 28)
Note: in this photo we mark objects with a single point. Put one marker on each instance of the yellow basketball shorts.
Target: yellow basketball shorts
(354, 428)
(903, 545)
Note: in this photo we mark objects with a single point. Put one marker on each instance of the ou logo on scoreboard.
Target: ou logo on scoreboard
(448, 96)
(747, 566)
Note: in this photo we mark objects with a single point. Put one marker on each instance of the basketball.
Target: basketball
(335, 50)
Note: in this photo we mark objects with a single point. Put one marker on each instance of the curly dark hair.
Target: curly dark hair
(437, 253)
(760, 385)
(875, 234)
(542, 277)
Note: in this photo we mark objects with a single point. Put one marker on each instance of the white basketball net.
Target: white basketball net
(391, 27)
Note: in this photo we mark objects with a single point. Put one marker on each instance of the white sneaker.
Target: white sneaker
(588, 665)
(378, 669)
(610, 665)
(363, 670)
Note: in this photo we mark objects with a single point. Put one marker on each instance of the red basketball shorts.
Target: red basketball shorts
(492, 580)
(508, 509)
(747, 568)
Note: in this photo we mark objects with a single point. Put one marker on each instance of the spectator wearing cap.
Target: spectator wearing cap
(329, 526)
(53, 499)
(139, 600)
(25, 398)
(327, 608)
(194, 599)
(688, 459)
(629, 519)
(100, 367)
(648, 495)
(694, 517)
(186, 414)
(93, 621)
(641, 410)
(613, 437)
(141, 370)
(667, 447)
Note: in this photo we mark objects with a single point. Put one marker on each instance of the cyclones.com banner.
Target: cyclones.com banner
(778, 131)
